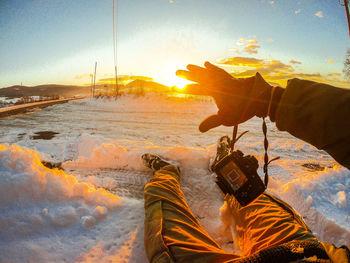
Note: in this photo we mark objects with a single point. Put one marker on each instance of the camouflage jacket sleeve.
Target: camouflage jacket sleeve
(318, 114)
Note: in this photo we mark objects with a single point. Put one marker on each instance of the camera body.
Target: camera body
(237, 175)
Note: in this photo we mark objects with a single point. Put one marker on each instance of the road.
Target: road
(11, 110)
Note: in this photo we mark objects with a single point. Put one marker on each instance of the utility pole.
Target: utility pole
(346, 5)
(116, 82)
(92, 80)
(115, 45)
(93, 92)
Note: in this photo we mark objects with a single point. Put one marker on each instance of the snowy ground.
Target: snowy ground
(93, 212)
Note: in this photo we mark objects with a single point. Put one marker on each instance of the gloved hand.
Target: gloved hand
(238, 100)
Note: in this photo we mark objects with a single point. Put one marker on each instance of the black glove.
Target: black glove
(238, 100)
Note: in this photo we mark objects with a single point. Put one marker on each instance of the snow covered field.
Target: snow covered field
(93, 211)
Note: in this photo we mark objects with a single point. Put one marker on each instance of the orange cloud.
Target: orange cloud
(251, 49)
(249, 45)
(329, 61)
(83, 76)
(295, 75)
(123, 78)
(235, 50)
(242, 61)
(253, 41)
(241, 42)
(297, 11)
(332, 74)
(319, 14)
(292, 61)
(261, 65)
(276, 71)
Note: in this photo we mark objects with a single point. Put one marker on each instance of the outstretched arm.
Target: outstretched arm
(316, 113)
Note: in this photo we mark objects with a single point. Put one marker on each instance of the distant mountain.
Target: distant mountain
(42, 90)
(145, 86)
(135, 86)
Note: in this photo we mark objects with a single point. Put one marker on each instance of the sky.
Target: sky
(58, 41)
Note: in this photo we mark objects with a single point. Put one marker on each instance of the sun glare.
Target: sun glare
(167, 76)
(178, 82)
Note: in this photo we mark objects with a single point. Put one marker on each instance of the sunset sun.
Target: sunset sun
(178, 82)
(167, 75)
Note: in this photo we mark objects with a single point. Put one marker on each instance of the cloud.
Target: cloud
(271, 2)
(296, 75)
(235, 50)
(171, 1)
(241, 42)
(319, 14)
(297, 11)
(275, 71)
(329, 61)
(251, 49)
(242, 61)
(83, 76)
(269, 40)
(123, 78)
(249, 45)
(292, 61)
(252, 65)
(272, 70)
(332, 74)
(253, 41)
(270, 67)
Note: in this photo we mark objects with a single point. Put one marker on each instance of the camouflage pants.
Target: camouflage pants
(173, 234)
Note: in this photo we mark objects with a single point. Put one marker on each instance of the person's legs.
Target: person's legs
(172, 233)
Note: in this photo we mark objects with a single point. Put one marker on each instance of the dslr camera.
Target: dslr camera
(237, 175)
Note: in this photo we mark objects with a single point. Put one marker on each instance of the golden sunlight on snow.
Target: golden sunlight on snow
(99, 253)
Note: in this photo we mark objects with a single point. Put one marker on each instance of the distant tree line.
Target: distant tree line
(346, 69)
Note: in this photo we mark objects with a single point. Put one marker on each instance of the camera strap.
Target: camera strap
(234, 136)
(266, 146)
(266, 156)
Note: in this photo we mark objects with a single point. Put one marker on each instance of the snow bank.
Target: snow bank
(126, 154)
(25, 179)
(322, 198)
(48, 216)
